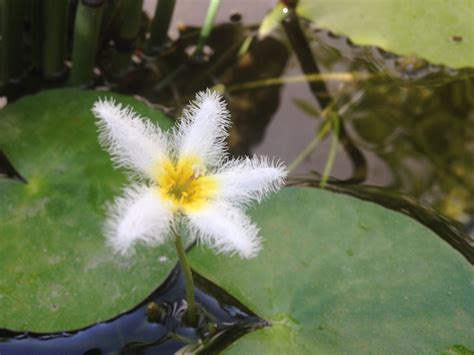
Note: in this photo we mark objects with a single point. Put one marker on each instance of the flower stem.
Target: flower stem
(188, 279)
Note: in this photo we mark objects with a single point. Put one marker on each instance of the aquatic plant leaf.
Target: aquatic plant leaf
(340, 275)
(56, 272)
(436, 30)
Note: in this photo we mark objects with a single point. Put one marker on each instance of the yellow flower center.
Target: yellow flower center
(184, 183)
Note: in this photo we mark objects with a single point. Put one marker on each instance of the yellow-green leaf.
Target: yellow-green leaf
(439, 31)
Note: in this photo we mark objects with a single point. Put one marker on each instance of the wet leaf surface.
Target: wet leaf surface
(340, 275)
(56, 271)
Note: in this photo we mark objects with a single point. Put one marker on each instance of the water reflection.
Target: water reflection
(414, 124)
(412, 131)
(138, 332)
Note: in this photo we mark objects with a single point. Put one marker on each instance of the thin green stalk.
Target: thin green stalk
(207, 28)
(160, 25)
(332, 150)
(322, 133)
(245, 45)
(272, 19)
(308, 150)
(338, 77)
(54, 15)
(12, 14)
(188, 279)
(86, 40)
(331, 121)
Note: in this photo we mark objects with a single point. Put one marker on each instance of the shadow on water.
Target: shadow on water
(155, 326)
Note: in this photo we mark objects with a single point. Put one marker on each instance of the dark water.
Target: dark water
(144, 331)
(406, 142)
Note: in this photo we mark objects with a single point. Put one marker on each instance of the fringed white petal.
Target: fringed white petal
(225, 229)
(132, 141)
(139, 215)
(246, 179)
(202, 129)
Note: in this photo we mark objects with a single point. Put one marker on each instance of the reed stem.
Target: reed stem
(54, 15)
(128, 27)
(86, 40)
(130, 20)
(160, 25)
(12, 14)
(36, 19)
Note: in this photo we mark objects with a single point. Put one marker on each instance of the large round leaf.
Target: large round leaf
(342, 276)
(56, 272)
(437, 30)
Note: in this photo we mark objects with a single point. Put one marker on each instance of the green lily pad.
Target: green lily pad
(339, 275)
(439, 31)
(56, 271)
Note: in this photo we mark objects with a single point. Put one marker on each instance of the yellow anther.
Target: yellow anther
(185, 184)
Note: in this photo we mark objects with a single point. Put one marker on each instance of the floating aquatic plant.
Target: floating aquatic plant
(184, 178)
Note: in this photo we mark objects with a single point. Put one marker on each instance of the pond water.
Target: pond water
(406, 141)
(406, 126)
(148, 329)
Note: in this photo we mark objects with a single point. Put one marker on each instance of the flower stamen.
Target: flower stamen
(185, 184)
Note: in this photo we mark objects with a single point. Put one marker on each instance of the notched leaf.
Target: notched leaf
(7, 170)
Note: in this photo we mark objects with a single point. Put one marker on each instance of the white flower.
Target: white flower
(187, 178)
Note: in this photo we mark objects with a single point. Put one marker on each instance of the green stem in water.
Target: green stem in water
(331, 123)
(188, 279)
(322, 133)
(306, 152)
(207, 28)
(332, 150)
